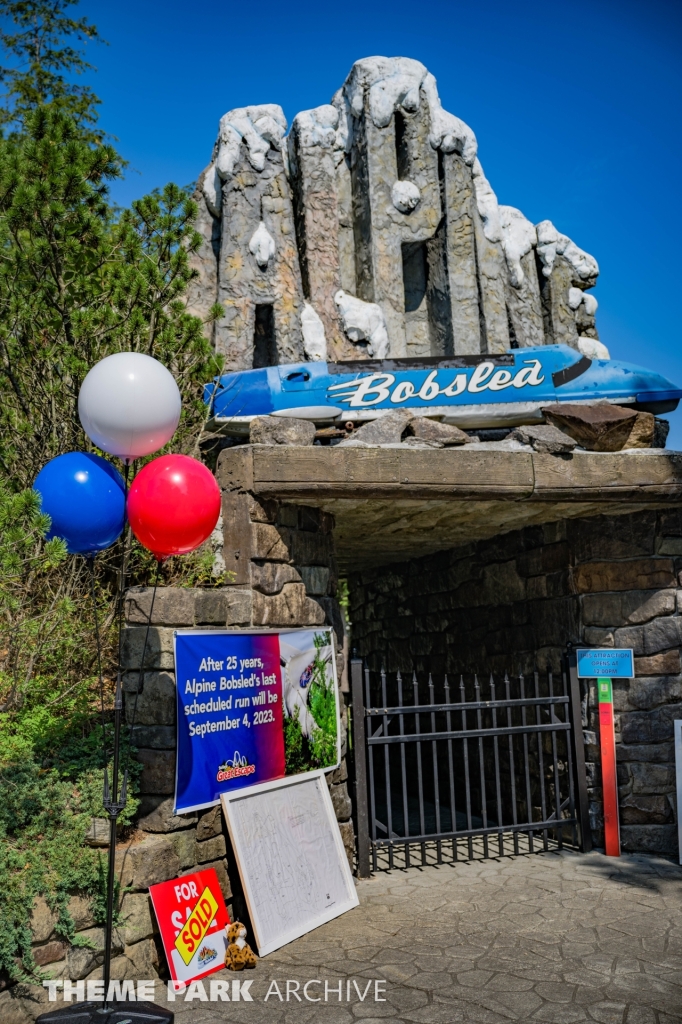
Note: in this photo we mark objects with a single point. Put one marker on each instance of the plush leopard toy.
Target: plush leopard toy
(238, 954)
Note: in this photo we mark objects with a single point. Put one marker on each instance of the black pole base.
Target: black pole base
(116, 1013)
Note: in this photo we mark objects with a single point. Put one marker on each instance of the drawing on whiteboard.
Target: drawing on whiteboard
(292, 862)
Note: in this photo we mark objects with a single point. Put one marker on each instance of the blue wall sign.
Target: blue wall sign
(610, 663)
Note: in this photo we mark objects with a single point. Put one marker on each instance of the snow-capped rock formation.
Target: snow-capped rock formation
(372, 230)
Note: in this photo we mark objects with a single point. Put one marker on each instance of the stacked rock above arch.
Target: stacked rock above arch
(370, 230)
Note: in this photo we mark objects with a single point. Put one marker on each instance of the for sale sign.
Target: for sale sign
(192, 918)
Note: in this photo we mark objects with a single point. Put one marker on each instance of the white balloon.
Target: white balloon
(129, 405)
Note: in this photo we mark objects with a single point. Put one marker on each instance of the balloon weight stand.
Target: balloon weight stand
(119, 1013)
(124, 1012)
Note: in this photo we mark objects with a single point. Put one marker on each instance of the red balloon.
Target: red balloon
(173, 505)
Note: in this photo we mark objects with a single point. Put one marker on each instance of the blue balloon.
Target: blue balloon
(84, 496)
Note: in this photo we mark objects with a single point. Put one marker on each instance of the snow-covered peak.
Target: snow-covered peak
(392, 81)
(257, 127)
(396, 83)
(317, 127)
(448, 133)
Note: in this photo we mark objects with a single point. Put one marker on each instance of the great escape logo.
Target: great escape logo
(235, 768)
(378, 387)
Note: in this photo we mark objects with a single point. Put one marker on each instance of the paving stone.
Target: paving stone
(556, 938)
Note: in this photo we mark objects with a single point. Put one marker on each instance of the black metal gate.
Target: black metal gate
(458, 770)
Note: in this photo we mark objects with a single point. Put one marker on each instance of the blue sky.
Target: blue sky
(574, 105)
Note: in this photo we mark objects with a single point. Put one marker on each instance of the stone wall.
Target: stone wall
(281, 566)
(512, 603)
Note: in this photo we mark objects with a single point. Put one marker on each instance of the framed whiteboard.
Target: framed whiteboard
(678, 771)
(291, 857)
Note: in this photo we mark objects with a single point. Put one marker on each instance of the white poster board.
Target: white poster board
(678, 767)
(291, 857)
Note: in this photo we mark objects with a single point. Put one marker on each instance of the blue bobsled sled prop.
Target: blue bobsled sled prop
(469, 391)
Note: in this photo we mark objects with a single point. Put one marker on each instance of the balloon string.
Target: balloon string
(91, 563)
(122, 572)
(141, 673)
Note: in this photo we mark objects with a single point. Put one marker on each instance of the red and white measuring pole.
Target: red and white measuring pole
(604, 665)
(607, 739)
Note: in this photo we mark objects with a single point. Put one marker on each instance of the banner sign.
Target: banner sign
(611, 663)
(251, 708)
(192, 918)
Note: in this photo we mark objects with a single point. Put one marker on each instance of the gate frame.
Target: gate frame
(363, 869)
(571, 666)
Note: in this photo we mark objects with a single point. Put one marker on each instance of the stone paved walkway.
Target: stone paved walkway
(553, 937)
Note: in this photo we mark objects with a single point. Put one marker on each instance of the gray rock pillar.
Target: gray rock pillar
(461, 255)
(392, 238)
(524, 304)
(202, 292)
(259, 280)
(314, 159)
(560, 326)
(565, 269)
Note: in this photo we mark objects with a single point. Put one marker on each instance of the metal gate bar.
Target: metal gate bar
(421, 789)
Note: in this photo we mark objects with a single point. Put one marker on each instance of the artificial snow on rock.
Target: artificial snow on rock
(590, 304)
(518, 238)
(592, 348)
(212, 188)
(552, 243)
(405, 196)
(575, 297)
(317, 127)
(262, 246)
(396, 82)
(257, 127)
(448, 133)
(363, 321)
(393, 82)
(344, 131)
(314, 340)
(486, 203)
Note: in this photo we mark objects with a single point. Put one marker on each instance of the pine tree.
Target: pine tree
(77, 284)
(43, 62)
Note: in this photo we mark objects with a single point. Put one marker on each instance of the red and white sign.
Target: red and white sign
(192, 919)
